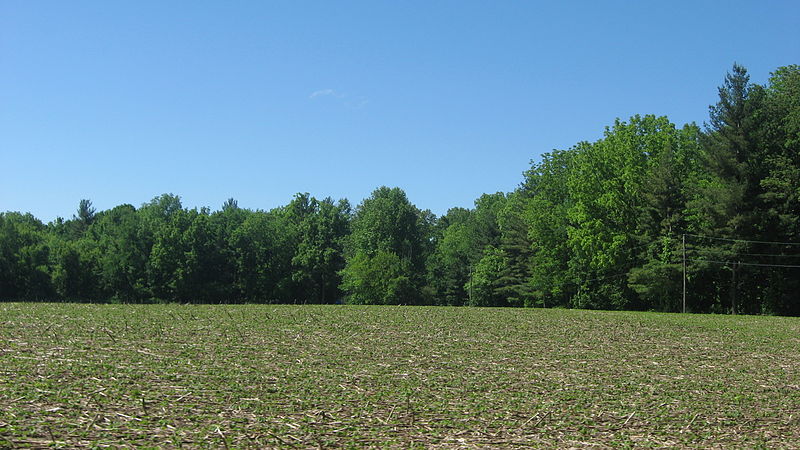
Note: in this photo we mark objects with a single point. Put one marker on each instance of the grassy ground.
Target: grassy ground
(329, 376)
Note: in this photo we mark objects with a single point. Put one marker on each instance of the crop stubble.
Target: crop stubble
(76, 375)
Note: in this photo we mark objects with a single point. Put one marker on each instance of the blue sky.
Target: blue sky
(120, 102)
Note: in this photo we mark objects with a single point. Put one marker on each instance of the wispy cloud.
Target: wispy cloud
(325, 93)
(347, 100)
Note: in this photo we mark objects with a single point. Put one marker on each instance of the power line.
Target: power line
(795, 266)
(768, 254)
(743, 240)
(776, 255)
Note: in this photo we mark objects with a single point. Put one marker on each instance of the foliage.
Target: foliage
(386, 250)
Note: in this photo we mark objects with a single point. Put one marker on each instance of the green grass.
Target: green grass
(330, 376)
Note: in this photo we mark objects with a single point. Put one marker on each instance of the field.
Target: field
(342, 376)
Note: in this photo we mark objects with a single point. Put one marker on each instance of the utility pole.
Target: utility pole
(684, 273)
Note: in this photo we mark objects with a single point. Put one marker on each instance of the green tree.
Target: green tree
(514, 284)
(201, 274)
(450, 263)
(320, 227)
(779, 196)
(24, 258)
(224, 223)
(461, 245)
(727, 203)
(485, 284)
(262, 258)
(626, 193)
(74, 270)
(379, 278)
(547, 201)
(122, 254)
(386, 224)
(86, 212)
(666, 190)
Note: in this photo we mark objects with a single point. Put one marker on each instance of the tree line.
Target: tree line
(621, 223)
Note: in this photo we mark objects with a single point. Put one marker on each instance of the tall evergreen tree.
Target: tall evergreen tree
(729, 203)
